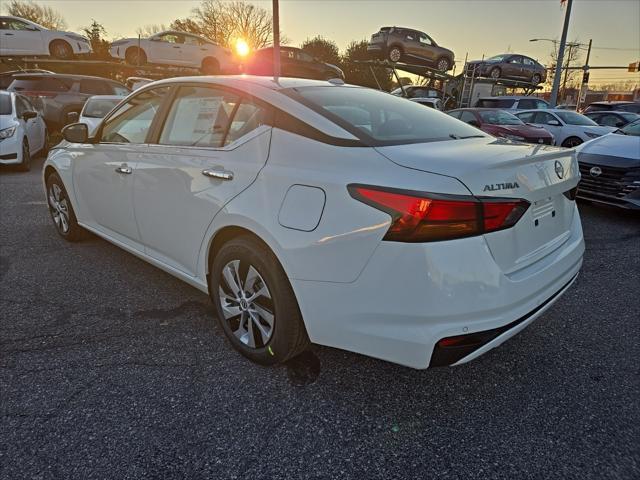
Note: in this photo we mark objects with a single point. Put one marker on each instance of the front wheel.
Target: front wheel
(572, 142)
(443, 64)
(135, 56)
(61, 50)
(210, 66)
(495, 72)
(62, 214)
(536, 79)
(255, 303)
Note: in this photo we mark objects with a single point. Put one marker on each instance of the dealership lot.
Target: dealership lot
(111, 368)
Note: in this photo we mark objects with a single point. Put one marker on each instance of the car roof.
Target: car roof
(61, 75)
(614, 102)
(511, 97)
(250, 80)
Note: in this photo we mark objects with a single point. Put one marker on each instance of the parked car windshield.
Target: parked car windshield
(496, 59)
(380, 118)
(629, 117)
(632, 129)
(498, 117)
(5, 104)
(573, 118)
(99, 107)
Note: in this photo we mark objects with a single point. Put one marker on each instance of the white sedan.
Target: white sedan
(96, 108)
(408, 236)
(569, 129)
(23, 132)
(178, 49)
(23, 37)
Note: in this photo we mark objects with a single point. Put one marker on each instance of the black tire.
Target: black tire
(495, 72)
(25, 165)
(61, 50)
(45, 148)
(73, 232)
(536, 79)
(572, 142)
(210, 66)
(135, 56)
(287, 336)
(443, 64)
(395, 53)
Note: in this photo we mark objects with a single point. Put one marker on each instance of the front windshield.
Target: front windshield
(632, 129)
(573, 118)
(499, 117)
(629, 117)
(496, 59)
(99, 107)
(378, 118)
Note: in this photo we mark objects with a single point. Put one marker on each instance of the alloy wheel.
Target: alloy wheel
(246, 304)
(443, 65)
(495, 73)
(59, 207)
(395, 54)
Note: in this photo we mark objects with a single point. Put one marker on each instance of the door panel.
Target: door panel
(17, 37)
(174, 200)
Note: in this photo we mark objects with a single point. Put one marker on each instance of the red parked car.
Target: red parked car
(502, 124)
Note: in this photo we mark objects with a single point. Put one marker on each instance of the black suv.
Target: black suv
(58, 95)
(409, 46)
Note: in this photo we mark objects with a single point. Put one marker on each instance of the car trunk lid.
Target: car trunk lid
(540, 174)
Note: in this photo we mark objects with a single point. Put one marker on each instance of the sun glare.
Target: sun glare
(242, 47)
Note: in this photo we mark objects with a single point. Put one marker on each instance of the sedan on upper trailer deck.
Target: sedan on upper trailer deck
(328, 213)
(509, 66)
(610, 168)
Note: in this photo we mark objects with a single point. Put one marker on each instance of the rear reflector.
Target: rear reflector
(426, 217)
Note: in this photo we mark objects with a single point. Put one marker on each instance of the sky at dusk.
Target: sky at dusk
(476, 27)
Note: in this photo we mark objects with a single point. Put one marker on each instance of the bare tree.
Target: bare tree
(42, 15)
(572, 56)
(224, 22)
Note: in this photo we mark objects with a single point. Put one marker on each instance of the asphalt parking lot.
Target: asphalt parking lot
(110, 368)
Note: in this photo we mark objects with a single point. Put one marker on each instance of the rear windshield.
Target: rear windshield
(40, 84)
(499, 117)
(99, 107)
(5, 104)
(630, 107)
(379, 118)
(495, 103)
(573, 118)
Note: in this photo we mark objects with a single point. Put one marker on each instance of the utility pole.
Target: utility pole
(276, 40)
(585, 78)
(559, 61)
(566, 72)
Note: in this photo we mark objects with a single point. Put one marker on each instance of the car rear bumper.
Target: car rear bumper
(410, 296)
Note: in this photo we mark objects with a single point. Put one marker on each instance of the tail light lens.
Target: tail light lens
(426, 217)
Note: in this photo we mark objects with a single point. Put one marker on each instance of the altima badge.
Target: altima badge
(559, 170)
(595, 171)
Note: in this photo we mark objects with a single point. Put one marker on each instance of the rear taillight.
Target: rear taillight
(426, 217)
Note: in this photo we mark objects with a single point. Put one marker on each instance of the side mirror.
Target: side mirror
(474, 123)
(555, 123)
(76, 133)
(28, 115)
(619, 124)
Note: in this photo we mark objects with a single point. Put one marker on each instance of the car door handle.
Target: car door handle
(219, 174)
(9, 34)
(176, 46)
(124, 168)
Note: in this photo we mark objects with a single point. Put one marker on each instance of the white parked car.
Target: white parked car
(409, 236)
(176, 48)
(568, 128)
(23, 132)
(434, 103)
(96, 108)
(23, 37)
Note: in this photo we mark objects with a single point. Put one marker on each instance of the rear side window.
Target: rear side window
(199, 117)
(132, 121)
(631, 107)
(378, 118)
(44, 84)
(5, 104)
(527, 103)
(495, 103)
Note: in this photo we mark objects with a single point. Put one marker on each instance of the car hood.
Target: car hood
(613, 145)
(600, 130)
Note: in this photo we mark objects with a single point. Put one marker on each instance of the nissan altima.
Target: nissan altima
(313, 211)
